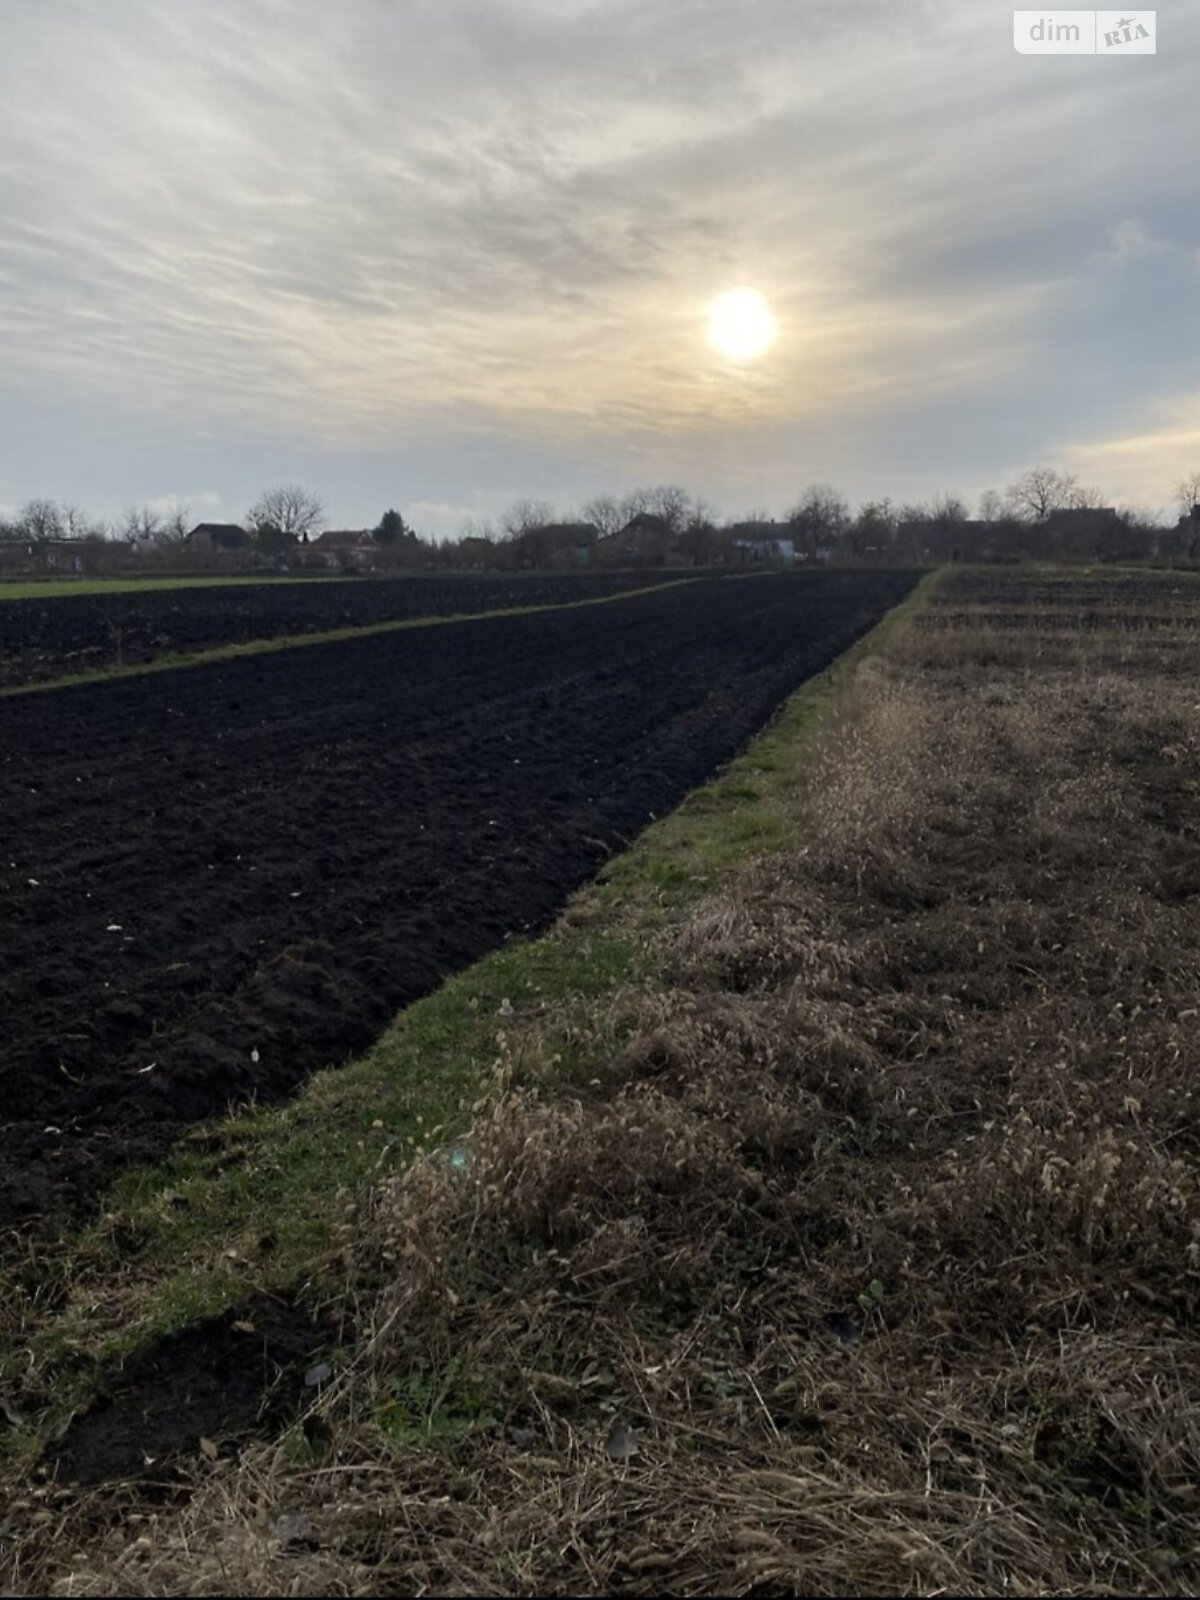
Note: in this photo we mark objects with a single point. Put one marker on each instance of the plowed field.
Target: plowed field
(67, 634)
(215, 881)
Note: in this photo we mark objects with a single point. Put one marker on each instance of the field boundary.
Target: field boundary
(16, 589)
(257, 1203)
(268, 646)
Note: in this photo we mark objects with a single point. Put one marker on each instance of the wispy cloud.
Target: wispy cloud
(205, 502)
(405, 228)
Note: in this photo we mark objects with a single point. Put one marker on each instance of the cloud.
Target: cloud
(1144, 466)
(1130, 240)
(402, 229)
(168, 505)
(443, 518)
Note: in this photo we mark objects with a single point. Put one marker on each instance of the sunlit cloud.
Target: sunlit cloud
(489, 230)
(1143, 468)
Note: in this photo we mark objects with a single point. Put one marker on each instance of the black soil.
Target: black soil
(213, 882)
(68, 634)
(204, 1390)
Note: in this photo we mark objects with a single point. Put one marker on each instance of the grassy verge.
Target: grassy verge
(56, 588)
(259, 1201)
(257, 647)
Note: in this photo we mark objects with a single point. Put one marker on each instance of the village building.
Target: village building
(343, 549)
(646, 540)
(218, 536)
(775, 552)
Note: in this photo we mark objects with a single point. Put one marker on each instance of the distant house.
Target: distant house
(17, 555)
(63, 555)
(219, 536)
(556, 545)
(646, 540)
(345, 539)
(22, 554)
(343, 547)
(143, 544)
(767, 552)
(1083, 522)
(1095, 531)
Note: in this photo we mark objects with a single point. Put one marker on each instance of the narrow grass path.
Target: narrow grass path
(258, 1202)
(62, 588)
(258, 647)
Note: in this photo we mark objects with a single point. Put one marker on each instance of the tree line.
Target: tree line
(1025, 520)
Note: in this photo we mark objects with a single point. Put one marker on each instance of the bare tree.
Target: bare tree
(672, 504)
(1084, 498)
(526, 516)
(477, 528)
(665, 500)
(289, 512)
(175, 529)
(700, 542)
(1187, 493)
(915, 511)
(701, 513)
(1039, 492)
(991, 506)
(820, 517)
(76, 523)
(604, 514)
(876, 522)
(40, 520)
(140, 522)
(948, 510)
(634, 503)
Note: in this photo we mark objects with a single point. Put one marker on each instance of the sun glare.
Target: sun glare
(740, 325)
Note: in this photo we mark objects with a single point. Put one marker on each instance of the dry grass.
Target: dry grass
(860, 1254)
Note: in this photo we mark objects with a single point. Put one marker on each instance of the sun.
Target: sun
(740, 325)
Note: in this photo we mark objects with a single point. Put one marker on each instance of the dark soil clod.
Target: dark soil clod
(210, 1382)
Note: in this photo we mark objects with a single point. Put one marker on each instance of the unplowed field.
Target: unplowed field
(66, 634)
(215, 881)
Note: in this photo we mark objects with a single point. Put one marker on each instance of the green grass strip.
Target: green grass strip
(58, 588)
(298, 641)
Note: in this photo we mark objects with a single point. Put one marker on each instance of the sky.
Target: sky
(443, 255)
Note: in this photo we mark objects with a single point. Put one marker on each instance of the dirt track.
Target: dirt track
(216, 881)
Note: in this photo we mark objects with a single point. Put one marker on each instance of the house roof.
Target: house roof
(754, 528)
(579, 532)
(345, 539)
(645, 527)
(1083, 516)
(647, 522)
(221, 532)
